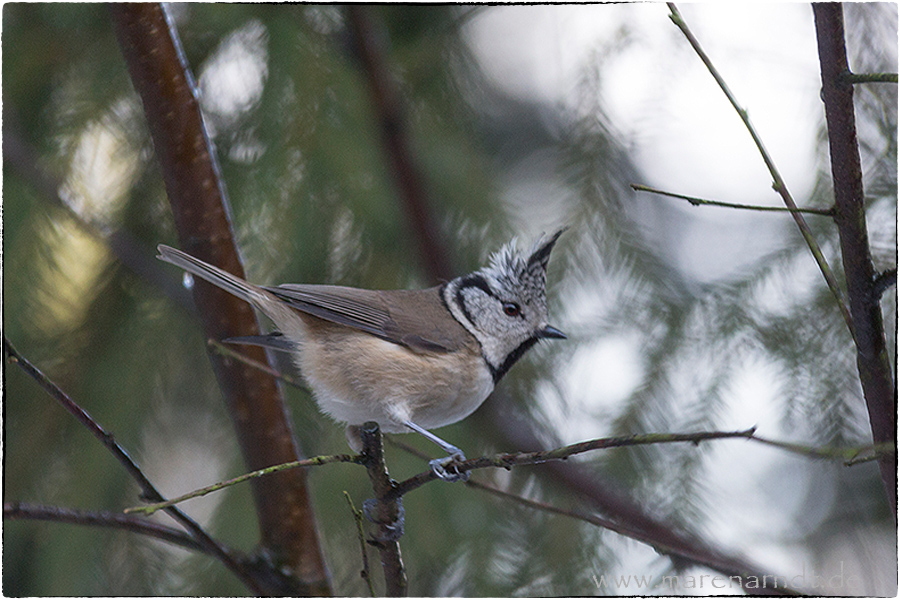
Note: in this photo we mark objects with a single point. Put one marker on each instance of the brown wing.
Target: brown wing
(416, 319)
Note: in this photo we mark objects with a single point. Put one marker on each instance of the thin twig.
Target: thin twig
(224, 350)
(149, 509)
(148, 490)
(135, 524)
(386, 511)
(366, 34)
(884, 281)
(778, 182)
(365, 573)
(872, 78)
(850, 455)
(828, 212)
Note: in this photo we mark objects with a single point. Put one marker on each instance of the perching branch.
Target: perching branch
(828, 212)
(187, 158)
(513, 459)
(872, 357)
(849, 455)
(148, 490)
(777, 181)
(385, 511)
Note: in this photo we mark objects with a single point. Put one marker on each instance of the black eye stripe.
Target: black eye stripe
(473, 280)
(476, 280)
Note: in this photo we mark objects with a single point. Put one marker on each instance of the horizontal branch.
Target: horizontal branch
(850, 455)
(513, 459)
(872, 77)
(38, 512)
(828, 212)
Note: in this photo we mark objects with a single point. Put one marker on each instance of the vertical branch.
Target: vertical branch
(388, 514)
(389, 111)
(872, 357)
(161, 76)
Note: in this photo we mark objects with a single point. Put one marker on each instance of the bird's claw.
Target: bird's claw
(447, 468)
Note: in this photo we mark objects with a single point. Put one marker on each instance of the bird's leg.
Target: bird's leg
(439, 465)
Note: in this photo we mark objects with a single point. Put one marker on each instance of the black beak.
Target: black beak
(551, 332)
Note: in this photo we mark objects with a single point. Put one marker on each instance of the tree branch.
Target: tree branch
(872, 78)
(828, 212)
(25, 511)
(872, 358)
(387, 102)
(699, 558)
(365, 573)
(386, 511)
(148, 490)
(197, 195)
(777, 181)
(514, 459)
(149, 509)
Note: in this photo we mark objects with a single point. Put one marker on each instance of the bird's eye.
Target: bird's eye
(511, 309)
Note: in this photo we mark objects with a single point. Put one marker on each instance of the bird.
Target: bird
(409, 360)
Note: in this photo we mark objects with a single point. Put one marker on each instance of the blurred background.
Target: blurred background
(522, 119)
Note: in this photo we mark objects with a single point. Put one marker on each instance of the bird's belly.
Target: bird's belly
(363, 378)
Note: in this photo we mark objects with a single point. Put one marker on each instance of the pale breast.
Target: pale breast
(358, 377)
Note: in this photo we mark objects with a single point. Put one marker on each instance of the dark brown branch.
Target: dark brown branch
(386, 511)
(699, 558)
(885, 281)
(148, 490)
(27, 511)
(162, 78)
(872, 358)
(365, 29)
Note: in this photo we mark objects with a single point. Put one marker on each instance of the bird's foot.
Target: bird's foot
(448, 468)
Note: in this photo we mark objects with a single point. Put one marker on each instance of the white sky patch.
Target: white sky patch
(232, 80)
(680, 128)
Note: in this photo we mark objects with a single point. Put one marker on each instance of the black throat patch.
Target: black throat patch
(498, 372)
